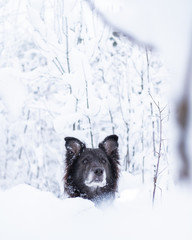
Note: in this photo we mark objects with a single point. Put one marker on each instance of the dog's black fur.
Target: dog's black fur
(91, 173)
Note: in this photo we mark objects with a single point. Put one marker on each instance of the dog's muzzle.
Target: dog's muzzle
(96, 177)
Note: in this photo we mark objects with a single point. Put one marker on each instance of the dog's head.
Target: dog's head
(92, 168)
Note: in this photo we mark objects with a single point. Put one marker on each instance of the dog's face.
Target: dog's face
(91, 169)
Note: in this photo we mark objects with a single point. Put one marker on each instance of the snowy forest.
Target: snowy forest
(64, 73)
(66, 69)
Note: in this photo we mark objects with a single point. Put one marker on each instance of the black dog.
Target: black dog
(91, 173)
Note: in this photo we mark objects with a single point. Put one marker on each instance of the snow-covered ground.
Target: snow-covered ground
(27, 213)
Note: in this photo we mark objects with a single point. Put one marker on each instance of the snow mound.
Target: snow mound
(27, 213)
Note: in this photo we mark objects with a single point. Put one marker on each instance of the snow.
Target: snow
(28, 213)
(163, 24)
(12, 91)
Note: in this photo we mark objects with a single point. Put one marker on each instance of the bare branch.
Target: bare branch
(164, 108)
(88, 107)
(156, 173)
(67, 45)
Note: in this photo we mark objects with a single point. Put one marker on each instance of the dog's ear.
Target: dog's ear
(110, 144)
(73, 146)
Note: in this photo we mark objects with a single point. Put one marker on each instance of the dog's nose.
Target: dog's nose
(98, 171)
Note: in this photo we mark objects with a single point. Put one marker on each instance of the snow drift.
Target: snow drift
(27, 213)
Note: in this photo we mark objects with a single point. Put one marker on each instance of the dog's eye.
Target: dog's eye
(85, 161)
(103, 161)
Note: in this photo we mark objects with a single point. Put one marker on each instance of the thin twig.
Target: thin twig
(67, 46)
(88, 107)
(160, 147)
(58, 67)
